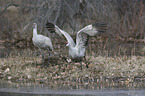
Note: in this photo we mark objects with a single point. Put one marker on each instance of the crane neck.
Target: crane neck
(34, 31)
(70, 46)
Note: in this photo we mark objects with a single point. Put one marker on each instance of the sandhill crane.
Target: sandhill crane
(77, 51)
(41, 41)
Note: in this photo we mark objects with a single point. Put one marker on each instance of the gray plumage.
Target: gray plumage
(41, 41)
(78, 50)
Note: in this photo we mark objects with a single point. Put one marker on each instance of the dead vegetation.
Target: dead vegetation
(119, 53)
(28, 67)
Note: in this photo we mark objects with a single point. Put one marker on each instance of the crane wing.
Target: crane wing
(89, 30)
(53, 28)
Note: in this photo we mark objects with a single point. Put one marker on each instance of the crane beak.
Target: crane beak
(67, 44)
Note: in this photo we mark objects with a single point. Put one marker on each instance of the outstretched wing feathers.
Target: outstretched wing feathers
(82, 40)
(53, 28)
(90, 30)
(100, 27)
(82, 35)
(50, 27)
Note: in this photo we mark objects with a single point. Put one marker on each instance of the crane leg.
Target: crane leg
(43, 59)
(80, 59)
(48, 57)
(81, 65)
(42, 56)
(86, 62)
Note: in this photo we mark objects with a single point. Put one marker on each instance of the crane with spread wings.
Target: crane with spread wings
(77, 50)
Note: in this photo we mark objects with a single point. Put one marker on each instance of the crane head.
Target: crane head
(34, 25)
(66, 44)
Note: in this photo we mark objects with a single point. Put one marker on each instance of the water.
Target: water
(42, 92)
(8, 88)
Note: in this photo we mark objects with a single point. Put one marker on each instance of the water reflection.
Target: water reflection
(66, 85)
(71, 89)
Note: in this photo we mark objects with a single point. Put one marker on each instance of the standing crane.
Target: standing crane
(77, 51)
(42, 42)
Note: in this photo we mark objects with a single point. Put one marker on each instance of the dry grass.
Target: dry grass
(29, 68)
(119, 66)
